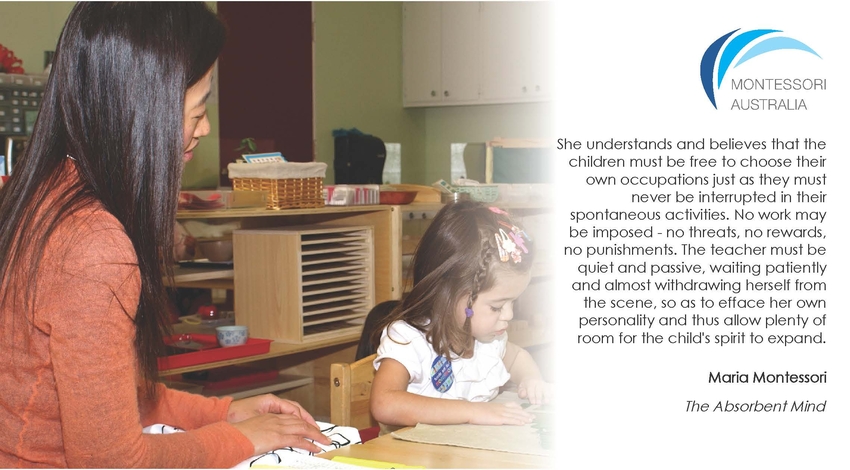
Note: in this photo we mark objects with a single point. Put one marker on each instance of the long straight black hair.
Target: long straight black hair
(114, 103)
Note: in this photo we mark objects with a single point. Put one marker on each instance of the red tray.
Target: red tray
(236, 376)
(253, 347)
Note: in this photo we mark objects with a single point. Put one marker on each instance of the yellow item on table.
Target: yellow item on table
(371, 463)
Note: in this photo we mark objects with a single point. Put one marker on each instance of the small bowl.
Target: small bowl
(454, 197)
(397, 197)
(217, 250)
(231, 335)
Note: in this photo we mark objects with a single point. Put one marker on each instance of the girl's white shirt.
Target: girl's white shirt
(476, 379)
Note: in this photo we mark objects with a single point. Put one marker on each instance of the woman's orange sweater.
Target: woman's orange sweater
(69, 388)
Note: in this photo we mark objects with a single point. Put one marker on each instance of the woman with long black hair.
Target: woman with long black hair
(86, 234)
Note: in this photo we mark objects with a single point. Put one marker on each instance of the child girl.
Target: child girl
(447, 338)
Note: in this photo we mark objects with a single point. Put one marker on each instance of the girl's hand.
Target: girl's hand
(500, 413)
(536, 391)
(241, 410)
(270, 431)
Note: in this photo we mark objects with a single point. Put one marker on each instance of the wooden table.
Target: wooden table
(388, 449)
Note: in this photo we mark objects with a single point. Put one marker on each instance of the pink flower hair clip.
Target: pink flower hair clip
(508, 247)
(511, 243)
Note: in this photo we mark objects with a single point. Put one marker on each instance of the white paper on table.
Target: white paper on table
(340, 436)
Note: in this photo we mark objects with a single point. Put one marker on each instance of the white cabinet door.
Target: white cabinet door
(475, 52)
(460, 51)
(514, 51)
(421, 53)
(441, 57)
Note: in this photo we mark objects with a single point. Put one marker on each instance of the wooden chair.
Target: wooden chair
(351, 387)
(378, 313)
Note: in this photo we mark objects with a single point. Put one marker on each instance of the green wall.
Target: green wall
(464, 124)
(357, 80)
(357, 83)
(30, 28)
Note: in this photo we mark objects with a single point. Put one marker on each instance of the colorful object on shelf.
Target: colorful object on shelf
(397, 197)
(208, 312)
(253, 347)
(352, 194)
(232, 335)
(189, 201)
(268, 157)
(9, 63)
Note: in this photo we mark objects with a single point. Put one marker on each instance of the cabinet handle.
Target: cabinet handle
(446, 93)
(536, 87)
(524, 89)
(433, 93)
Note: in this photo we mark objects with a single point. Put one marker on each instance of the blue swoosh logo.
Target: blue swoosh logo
(734, 47)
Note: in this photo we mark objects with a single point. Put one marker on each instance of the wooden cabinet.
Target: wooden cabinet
(440, 53)
(304, 284)
(385, 221)
(458, 53)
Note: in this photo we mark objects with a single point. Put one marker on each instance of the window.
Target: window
(392, 164)
(458, 165)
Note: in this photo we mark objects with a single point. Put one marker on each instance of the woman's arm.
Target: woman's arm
(526, 374)
(91, 288)
(392, 404)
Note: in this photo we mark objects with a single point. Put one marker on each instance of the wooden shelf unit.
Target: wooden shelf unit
(303, 284)
(282, 383)
(385, 221)
(276, 350)
(312, 359)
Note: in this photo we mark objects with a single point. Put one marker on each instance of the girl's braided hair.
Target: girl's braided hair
(457, 258)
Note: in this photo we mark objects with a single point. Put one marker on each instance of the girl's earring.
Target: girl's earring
(468, 311)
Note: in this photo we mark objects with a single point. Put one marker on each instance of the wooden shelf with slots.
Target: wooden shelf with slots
(325, 279)
(310, 359)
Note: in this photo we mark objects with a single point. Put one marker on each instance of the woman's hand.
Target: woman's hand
(536, 391)
(270, 431)
(500, 413)
(246, 408)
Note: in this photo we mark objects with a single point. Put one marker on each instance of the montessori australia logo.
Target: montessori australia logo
(777, 92)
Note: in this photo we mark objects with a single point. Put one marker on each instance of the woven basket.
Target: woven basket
(481, 192)
(289, 185)
(286, 193)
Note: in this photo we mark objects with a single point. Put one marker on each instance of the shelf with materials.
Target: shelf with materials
(304, 370)
(311, 359)
(203, 278)
(384, 219)
(276, 349)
